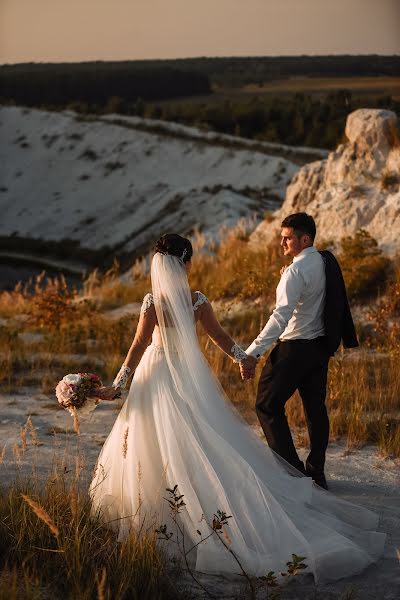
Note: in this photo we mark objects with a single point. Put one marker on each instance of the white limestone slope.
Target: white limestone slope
(357, 186)
(120, 183)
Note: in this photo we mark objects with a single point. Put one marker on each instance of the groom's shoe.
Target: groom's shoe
(300, 467)
(320, 480)
(317, 475)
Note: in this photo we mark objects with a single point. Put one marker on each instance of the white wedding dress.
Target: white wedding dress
(177, 427)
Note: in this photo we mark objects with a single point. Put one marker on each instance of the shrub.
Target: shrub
(89, 154)
(390, 181)
(115, 104)
(53, 306)
(49, 140)
(76, 136)
(384, 316)
(111, 166)
(364, 266)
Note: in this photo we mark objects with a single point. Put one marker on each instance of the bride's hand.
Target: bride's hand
(108, 393)
(247, 367)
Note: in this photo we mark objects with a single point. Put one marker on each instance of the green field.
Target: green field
(369, 88)
(322, 85)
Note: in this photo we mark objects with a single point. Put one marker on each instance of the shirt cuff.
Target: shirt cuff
(255, 351)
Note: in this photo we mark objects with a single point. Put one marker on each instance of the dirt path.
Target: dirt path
(362, 477)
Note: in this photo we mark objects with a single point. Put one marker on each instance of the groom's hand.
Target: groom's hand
(248, 367)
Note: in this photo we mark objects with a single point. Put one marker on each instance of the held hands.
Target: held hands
(248, 367)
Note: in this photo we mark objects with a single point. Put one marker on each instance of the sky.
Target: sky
(77, 30)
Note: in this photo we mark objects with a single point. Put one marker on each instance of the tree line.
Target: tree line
(151, 89)
(57, 85)
(298, 120)
(238, 71)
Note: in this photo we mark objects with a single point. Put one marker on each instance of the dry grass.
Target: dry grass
(108, 291)
(229, 270)
(51, 546)
(390, 85)
(363, 393)
(363, 390)
(236, 270)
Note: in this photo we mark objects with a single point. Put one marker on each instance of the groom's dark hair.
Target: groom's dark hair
(302, 223)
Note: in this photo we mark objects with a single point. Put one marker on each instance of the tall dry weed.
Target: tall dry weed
(49, 536)
(42, 514)
(362, 391)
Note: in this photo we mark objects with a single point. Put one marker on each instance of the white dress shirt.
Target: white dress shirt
(300, 299)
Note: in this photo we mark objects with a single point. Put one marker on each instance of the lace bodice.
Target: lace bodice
(201, 299)
(148, 301)
(148, 331)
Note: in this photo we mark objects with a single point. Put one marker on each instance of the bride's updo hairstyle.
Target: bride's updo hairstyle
(175, 245)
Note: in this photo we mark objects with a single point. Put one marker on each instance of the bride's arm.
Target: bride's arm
(147, 322)
(221, 338)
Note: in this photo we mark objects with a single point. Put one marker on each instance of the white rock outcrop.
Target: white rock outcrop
(356, 186)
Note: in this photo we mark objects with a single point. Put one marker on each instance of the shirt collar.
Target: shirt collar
(305, 252)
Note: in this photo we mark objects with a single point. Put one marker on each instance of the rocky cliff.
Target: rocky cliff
(356, 186)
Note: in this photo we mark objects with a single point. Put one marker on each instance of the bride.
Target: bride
(177, 427)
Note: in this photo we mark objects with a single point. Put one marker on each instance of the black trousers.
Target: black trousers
(302, 365)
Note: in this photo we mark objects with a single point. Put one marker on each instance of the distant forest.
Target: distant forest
(297, 120)
(58, 85)
(197, 92)
(239, 71)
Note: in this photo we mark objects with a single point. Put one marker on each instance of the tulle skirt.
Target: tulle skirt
(159, 441)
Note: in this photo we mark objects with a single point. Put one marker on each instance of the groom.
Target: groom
(310, 319)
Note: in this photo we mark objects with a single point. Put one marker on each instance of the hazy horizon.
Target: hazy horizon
(106, 30)
(167, 58)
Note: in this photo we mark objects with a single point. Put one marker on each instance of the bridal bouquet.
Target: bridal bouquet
(77, 392)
